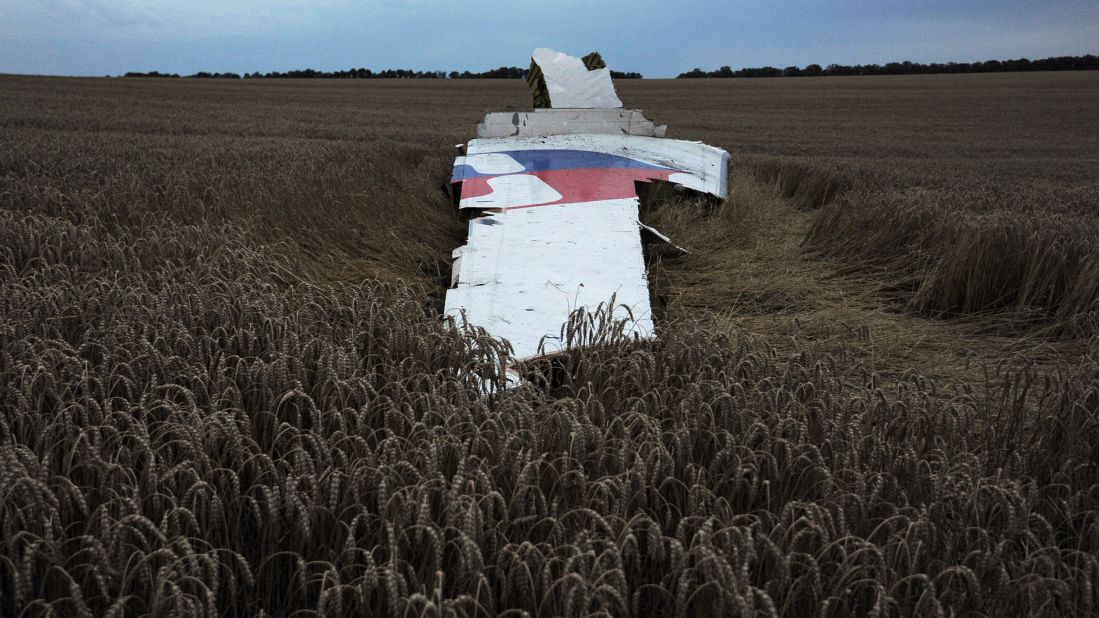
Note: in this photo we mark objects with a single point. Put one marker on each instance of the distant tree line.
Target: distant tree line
(500, 73)
(359, 73)
(150, 74)
(1059, 63)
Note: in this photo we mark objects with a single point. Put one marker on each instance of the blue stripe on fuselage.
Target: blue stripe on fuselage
(546, 160)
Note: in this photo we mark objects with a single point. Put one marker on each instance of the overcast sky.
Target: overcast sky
(659, 38)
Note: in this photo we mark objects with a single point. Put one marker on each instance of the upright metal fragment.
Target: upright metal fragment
(560, 81)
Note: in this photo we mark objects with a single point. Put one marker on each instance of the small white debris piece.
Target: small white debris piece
(660, 235)
(571, 84)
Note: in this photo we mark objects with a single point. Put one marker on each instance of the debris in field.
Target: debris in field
(554, 202)
(563, 81)
(567, 122)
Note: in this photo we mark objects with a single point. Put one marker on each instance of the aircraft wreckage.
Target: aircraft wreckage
(553, 202)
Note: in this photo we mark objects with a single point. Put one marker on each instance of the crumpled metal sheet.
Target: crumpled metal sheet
(569, 83)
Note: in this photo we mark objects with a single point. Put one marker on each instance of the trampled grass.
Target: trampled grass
(225, 388)
(977, 192)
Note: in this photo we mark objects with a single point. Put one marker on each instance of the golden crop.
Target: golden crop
(225, 388)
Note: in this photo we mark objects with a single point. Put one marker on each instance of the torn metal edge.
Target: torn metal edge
(559, 80)
(568, 122)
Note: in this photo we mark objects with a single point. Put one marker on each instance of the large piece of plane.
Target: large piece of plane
(553, 207)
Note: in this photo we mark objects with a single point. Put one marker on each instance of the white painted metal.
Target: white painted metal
(568, 122)
(702, 168)
(513, 190)
(522, 272)
(490, 163)
(571, 84)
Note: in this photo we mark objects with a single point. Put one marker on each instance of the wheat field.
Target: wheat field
(225, 387)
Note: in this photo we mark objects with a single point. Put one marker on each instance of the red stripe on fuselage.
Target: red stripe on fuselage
(577, 185)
